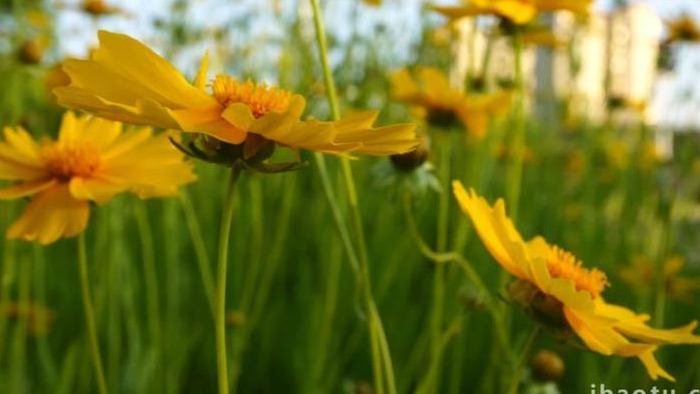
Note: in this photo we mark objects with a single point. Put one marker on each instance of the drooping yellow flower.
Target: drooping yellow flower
(558, 289)
(441, 105)
(124, 80)
(92, 160)
(517, 11)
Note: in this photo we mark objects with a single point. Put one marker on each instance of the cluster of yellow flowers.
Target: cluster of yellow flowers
(125, 81)
(94, 158)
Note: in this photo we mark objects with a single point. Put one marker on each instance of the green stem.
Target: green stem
(200, 248)
(431, 382)
(471, 274)
(90, 316)
(515, 171)
(515, 381)
(381, 357)
(149, 272)
(222, 265)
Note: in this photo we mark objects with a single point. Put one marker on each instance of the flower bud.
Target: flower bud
(413, 159)
(547, 366)
(31, 52)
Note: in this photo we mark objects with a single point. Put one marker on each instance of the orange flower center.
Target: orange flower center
(261, 99)
(563, 264)
(66, 162)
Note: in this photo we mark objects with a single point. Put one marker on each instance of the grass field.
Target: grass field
(348, 275)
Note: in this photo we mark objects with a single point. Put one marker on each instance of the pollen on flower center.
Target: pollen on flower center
(261, 99)
(65, 162)
(563, 264)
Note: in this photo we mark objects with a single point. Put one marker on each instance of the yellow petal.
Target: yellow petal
(200, 81)
(239, 115)
(140, 111)
(51, 215)
(126, 81)
(652, 366)
(648, 334)
(26, 189)
(19, 156)
(145, 68)
(580, 7)
(310, 135)
(25, 149)
(95, 189)
(596, 332)
(402, 85)
(562, 289)
(99, 131)
(357, 133)
(518, 11)
(457, 12)
(147, 164)
(494, 228)
(209, 121)
(433, 81)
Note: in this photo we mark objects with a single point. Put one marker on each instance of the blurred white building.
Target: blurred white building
(612, 55)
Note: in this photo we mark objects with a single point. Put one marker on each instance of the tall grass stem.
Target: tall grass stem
(90, 316)
(379, 343)
(221, 271)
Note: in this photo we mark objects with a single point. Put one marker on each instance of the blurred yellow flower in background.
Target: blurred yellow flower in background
(517, 11)
(125, 80)
(374, 3)
(92, 160)
(99, 8)
(557, 289)
(36, 317)
(443, 106)
(641, 274)
(682, 29)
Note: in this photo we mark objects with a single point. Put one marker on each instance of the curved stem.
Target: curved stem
(90, 316)
(469, 271)
(431, 382)
(222, 265)
(381, 356)
(515, 382)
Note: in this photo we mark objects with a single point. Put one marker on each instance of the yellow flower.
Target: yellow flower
(556, 287)
(99, 8)
(641, 274)
(683, 28)
(92, 160)
(373, 3)
(124, 80)
(517, 11)
(37, 318)
(441, 105)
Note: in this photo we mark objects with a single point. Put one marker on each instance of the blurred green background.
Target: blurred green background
(597, 188)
